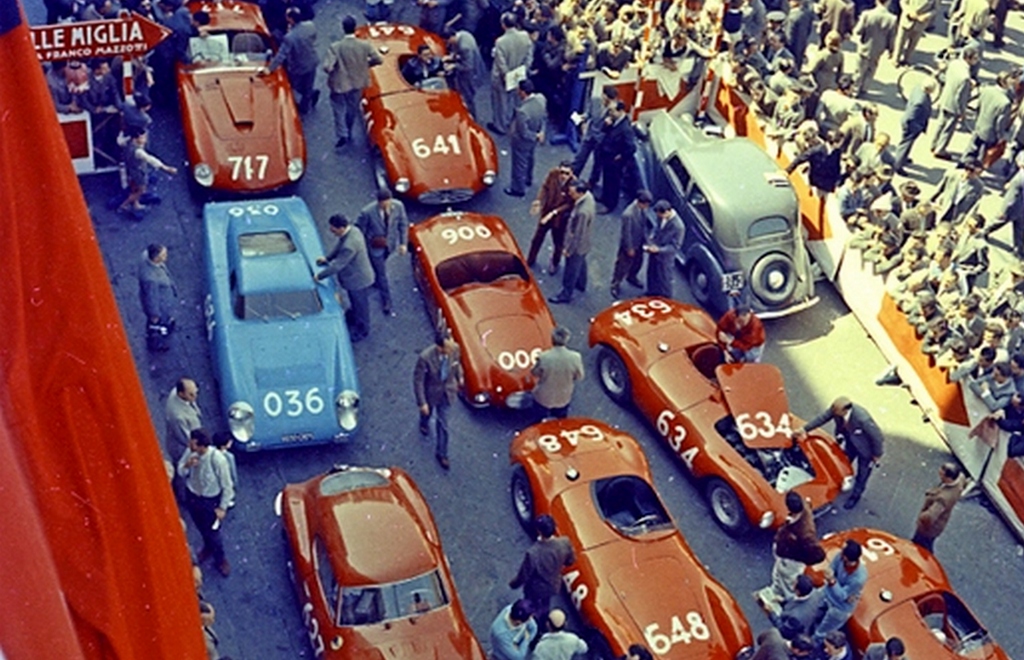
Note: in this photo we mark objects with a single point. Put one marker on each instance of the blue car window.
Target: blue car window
(277, 305)
(265, 244)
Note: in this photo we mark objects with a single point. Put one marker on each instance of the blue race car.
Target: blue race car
(279, 340)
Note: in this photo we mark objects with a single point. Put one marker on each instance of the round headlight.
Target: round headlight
(489, 178)
(295, 169)
(346, 408)
(402, 185)
(767, 519)
(481, 398)
(203, 174)
(241, 421)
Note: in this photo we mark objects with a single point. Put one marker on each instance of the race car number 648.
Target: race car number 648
(293, 403)
(661, 643)
(551, 444)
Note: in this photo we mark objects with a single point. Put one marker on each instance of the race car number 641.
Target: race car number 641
(423, 150)
(661, 643)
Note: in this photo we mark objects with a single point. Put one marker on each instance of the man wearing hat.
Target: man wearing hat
(958, 192)
(637, 220)
(909, 192)
(558, 643)
(662, 245)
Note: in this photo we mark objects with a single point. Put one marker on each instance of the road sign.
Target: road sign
(128, 36)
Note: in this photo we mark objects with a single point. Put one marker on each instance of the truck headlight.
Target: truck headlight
(402, 185)
(242, 421)
(489, 178)
(295, 169)
(203, 174)
(346, 408)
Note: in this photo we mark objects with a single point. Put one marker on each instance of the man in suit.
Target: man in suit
(614, 155)
(993, 122)
(1012, 210)
(540, 572)
(557, 371)
(385, 227)
(347, 64)
(350, 261)
(958, 193)
(857, 430)
(593, 127)
(915, 17)
(577, 242)
(913, 123)
(892, 649)
(661, 247)
(637, 220)
(859, 129)
(436, 382)
(464, 66)
(526, 132)
(875, 33)
(797, 30)
(551, 207)
(826, 67)
(513, 54)
(956, 92)
(424, 66)
(298, 55)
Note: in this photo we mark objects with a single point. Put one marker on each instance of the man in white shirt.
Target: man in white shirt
(558, 643)
(208, 494)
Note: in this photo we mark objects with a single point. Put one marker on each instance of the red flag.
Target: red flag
(74, 409)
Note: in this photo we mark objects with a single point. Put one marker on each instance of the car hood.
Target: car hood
(436, 635)
(303, 363)
(512, 332)
(237, 104)
(755, 390)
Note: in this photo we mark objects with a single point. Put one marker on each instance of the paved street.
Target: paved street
(822, 352)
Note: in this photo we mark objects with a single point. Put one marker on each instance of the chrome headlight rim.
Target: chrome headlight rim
(241, 421)
(489, 177)
(402, 185)
(296, 168)
(346, 409)
(203, 174)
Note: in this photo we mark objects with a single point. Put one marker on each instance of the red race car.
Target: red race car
(729, 423)
(908, 595)
(429, 148)
(369, 569)
(242, 128)
(474, 279)
(635, 579)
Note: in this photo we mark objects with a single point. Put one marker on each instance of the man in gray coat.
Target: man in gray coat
(298, 55)
(464, 65)
(1012, 211)
(637, 220)
(347, 64)
(577, 242)
(513, 57)
(436, 381)
(662, 246)
(350, 261)
(993, 122)
(526, 132)
(797, 29)
(860, 435)
(915, 17)
(956, 92)
(157, 292)
(557, 370)
(875, 33)
(913, 123)
(385, 228)
(958, 193)
(182, 416)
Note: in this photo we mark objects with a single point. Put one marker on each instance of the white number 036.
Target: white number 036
(293, 403)
(661, 643)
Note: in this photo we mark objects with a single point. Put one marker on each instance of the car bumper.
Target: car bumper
(786, 311)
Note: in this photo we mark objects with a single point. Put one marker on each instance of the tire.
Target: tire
(699, 281)
(911, 77)
(726, 508)
(614, 376)
(773, 279)
(522, 499)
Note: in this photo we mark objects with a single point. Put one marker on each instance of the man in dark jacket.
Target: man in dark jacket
(637, 220)
(385, 227)
(540, 574)
(796, 546)
(350, 261)
(298, 55)
(938, 505)
(436, 382)
(158, 294)
(614, 155)
(577, 242)
(661, 246)
(860, 435)
(525, 133)
(914, 122)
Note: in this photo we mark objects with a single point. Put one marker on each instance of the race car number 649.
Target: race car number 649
(661, 643)
(293, 403)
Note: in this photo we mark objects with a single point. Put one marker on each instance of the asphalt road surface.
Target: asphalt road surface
(822, 352)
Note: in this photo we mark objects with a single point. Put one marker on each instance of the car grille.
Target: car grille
(452, 196)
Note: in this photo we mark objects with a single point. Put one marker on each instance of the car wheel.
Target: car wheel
(613, 375)
(773, 279)
(522, 499)
(726, 508)
(700, 282)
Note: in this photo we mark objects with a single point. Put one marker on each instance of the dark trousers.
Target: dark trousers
(627, 267)
(379, 260)
(557, 229)
(358, 315)
(611, 179)
(522, 165)
(201, 510)
(440, 415)
(925, 542)
(303, 84)
(902, 155)
(346, 109)
(587, 147)
(575, 275)
(863, 470)
(543, 412)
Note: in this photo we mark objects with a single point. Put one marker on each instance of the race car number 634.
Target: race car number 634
(661, 643)
(675, 433)
(464, 233)
(293, 403)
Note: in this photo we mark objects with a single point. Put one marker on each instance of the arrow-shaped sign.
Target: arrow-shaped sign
(129, 36)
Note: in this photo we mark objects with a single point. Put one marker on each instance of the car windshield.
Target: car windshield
(629, 504)
(383, 602)
(479, 268)
(265, 244)
(229, 47)
(277, 305)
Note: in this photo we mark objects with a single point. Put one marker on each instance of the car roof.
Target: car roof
(437, 248)
(230, 15)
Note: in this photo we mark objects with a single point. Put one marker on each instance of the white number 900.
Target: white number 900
(465, 232)
(293, 403)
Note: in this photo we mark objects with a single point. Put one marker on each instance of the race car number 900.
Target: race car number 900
(293, 403)
(520, 359)
(661, 643)
(464, 233)
(552, 444)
